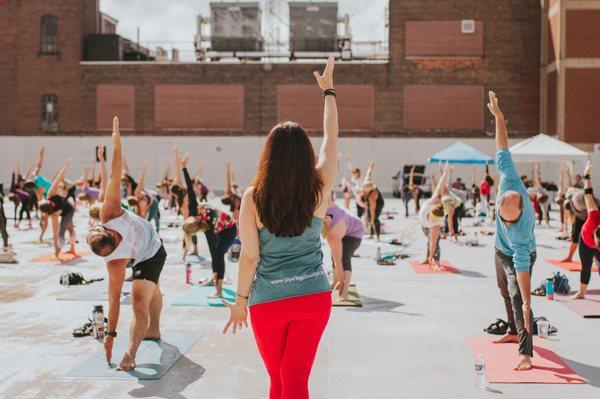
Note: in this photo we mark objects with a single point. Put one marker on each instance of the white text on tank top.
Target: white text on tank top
(139, 240)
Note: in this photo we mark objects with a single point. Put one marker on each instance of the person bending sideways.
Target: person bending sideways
(515, 244)
(344, 235)
(125, 239)
(589, 242)
(431, 217)
(281, 275)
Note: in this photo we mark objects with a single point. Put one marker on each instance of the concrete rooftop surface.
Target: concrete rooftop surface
(407, 341)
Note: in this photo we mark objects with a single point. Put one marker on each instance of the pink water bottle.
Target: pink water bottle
(188, 274)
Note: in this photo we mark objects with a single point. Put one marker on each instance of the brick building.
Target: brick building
(433, 84)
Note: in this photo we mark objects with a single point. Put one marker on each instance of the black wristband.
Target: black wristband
(587, 177)
(112, 334)
(241, 296)
(329, 92)
(589, 191)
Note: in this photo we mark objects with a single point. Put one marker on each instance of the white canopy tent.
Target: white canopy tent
(543, 148)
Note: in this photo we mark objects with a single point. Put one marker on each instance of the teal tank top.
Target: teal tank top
(289, 266)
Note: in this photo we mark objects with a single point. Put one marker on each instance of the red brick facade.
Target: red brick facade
(503, 54)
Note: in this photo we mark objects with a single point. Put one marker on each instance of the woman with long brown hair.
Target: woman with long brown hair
(281, 274)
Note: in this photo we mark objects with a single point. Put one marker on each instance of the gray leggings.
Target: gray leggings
(349, 247)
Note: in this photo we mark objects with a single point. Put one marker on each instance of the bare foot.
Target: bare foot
(424, 262)
(215, 296)
(524, 363)
(72, 252)
(207, 282)
(507, 339)
(127, 364)
(578, 295)
(566, 260)
(344, 293)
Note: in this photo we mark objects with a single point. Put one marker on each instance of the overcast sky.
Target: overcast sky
(174, 22)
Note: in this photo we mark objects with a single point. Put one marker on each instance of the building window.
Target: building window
(49, 35)
(49, 112)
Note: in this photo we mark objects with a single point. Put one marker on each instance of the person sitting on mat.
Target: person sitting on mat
(514, 242)
(431, 218)
(344, 234)
(127, 240)
(589, 242)
(57, 204)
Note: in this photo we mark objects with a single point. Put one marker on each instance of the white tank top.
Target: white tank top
(139, 240)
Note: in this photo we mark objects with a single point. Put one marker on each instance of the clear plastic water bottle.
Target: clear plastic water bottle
(480, 372)
(188, 273)
(98, 322)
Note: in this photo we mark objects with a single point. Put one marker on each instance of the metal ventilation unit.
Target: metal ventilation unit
(313, 26)
(235, 26)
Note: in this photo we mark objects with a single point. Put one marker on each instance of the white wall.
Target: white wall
(389, 154)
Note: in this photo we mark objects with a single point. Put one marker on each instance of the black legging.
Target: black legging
(25, 209)
(378, 208)
(587, 255)
(3, 220)
(218, 245)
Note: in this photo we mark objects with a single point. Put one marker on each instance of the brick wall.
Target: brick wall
(8, 66)
(509, 64)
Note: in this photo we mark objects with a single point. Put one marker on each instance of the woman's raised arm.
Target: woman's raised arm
(329, 149)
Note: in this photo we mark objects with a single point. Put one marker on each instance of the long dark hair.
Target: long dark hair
(287, 186)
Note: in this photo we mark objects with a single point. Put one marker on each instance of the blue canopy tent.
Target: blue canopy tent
(461, 153)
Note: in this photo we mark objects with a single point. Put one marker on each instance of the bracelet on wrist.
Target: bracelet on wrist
(329, 92)
(242, 296)
(587, 177)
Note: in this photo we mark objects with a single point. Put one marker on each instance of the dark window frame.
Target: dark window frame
(49, 119)
(49, 35)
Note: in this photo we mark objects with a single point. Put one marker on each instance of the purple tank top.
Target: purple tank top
(92, 192)
(354, 226)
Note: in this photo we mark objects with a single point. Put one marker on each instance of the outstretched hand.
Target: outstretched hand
(325, 81)
(493, 105)
(588, 168)
(184, 160)
(116, 134)
(237, 317)
(100, 153)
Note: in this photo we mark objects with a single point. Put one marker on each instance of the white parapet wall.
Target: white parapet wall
(388, 153)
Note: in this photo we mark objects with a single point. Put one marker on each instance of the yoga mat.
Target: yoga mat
(153, 359)
(588, 308)
(353, 298)
(569, 266)
(500, 360)
(197, 295)
(425, 269)
(64, 257)
(93, 292)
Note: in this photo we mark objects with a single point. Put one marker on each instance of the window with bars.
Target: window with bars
(49, 35)
(49, 112)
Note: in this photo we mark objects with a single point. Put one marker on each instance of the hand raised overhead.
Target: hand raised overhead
(116, 134)
(493, 105)
(325, 81)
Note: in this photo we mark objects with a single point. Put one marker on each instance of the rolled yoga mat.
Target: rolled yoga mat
(197, 295)
(153, 359)
(501, 359)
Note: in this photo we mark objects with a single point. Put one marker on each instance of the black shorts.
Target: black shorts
(576, 229)
(150, 269)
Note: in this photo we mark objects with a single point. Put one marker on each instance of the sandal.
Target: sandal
(386, 262)
(539, 291)
(499, 327)
(83, 331)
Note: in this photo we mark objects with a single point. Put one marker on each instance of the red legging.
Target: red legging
(287, 333)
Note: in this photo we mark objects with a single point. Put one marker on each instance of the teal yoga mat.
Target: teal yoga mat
(153, 360)
(197, 295)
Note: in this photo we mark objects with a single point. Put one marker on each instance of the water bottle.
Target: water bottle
(550, 289)
(98, 322)
(64, 279)
(378, 254)
(479, 372)
(188, 273)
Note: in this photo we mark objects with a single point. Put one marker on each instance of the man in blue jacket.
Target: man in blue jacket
(515, 244)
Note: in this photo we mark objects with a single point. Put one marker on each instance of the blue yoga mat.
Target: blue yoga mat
(197, 295)
(153, 360)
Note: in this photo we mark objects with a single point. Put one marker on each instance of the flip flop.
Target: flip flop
(499, 327)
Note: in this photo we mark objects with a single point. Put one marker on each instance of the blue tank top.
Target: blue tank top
(289, 266)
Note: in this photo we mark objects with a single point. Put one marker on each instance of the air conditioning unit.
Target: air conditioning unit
(467, 26)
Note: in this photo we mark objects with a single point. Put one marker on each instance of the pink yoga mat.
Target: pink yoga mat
(588, 308)
(500, 360)
(64, 258)
(425, 269)
(569, 266)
